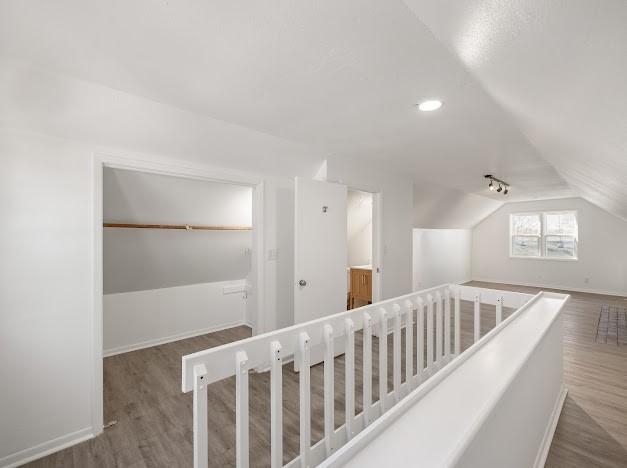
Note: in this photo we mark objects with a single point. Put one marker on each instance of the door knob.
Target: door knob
(302, 283)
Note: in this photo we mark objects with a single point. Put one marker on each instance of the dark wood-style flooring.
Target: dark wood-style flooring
(154, 419)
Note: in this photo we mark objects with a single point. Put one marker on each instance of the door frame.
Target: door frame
(377, 238)
(175, 168)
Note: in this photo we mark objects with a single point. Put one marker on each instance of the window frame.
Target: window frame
(542, 215)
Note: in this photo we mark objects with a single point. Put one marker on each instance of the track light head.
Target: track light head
(503, 186)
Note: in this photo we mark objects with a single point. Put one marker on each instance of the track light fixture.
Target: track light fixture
(503, 186)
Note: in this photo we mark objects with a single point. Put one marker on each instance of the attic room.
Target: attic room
(297, 234)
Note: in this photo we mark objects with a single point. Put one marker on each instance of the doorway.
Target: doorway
(359, 222)
(321, 261)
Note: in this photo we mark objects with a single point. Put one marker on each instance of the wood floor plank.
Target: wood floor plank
(154, 426)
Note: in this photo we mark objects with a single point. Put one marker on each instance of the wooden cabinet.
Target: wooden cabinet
(360, 285)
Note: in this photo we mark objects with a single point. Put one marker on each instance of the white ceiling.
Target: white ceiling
(527, 89)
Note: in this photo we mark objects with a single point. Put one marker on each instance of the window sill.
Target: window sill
(550, 259)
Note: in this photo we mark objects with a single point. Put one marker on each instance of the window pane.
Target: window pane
(526, 246)
(526, 225)
(561, 224)
(560, 246)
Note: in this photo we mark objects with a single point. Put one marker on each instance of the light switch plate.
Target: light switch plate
(273, 254)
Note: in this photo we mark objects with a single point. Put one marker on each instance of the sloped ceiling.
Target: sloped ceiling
(50, 103)
(340, 79)
(437, 207)
(559, 69)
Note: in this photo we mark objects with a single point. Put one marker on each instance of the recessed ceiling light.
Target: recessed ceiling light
(430, 105)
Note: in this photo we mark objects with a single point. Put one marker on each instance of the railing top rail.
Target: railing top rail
(510, 299)
(219, 361)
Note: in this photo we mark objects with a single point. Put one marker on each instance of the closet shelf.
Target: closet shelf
(186, 227)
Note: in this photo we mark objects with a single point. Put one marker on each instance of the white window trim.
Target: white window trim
(542, 255)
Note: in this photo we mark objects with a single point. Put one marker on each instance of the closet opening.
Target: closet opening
(176, 267)
(176, 258)
(360, 248)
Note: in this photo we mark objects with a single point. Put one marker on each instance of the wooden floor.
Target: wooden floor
(592, 429)
(153, 429)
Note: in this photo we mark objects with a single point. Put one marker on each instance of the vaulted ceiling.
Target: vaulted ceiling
(533, 91)
(559, 70)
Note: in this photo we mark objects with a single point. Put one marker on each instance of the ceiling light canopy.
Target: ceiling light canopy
(430, 105)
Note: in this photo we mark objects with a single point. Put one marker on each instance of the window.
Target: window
(544, 235)
(526, 234)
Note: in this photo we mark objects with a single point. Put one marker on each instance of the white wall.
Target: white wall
(360, 247)
(441, 256)
(138, 319)
(602, 263)
(141, 259)
(46, 362)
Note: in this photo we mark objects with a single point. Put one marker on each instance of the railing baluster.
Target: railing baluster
(329, 388)
(383, 359)
(409, 345)
(429, 334)
(367, 371)
(276, 405)
(438, 330)
(499, 310)
(458, 343)
(477, 316)
(304, 390)
(349, 378)
(397, 352)
(420, 340)
(447, 324)
(241, 410)
(201, 441)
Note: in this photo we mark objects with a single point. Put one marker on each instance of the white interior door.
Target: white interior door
(320, 249)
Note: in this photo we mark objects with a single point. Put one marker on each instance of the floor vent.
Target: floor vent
(612, 325)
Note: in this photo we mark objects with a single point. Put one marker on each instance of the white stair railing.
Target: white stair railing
(269, 350)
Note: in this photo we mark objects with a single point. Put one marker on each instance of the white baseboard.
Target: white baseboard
(422, 288)
(41, 450)
(171, 338)
(545, 446)
(548, 286)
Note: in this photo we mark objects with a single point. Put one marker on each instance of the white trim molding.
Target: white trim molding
(554, 287)
(172, 338)
(46, 448)
(545, 446)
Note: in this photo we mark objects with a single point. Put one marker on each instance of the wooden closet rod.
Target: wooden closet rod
(186, 227)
